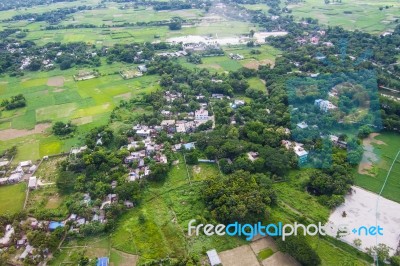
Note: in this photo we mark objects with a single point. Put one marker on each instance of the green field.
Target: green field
(85, 103)
(365, 15)
(386, 154)
(166, 211)
(12, 198)
(224, 63)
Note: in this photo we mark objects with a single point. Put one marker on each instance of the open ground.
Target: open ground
(363, 15)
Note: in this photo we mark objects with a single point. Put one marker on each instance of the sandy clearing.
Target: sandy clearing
(279, 259)
(263, 243)
(360, 208)
(16, 133)
(254, 64)
(55, 81)
(239, 256)
(369, 157)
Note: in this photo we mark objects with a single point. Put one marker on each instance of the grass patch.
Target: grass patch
(264, 254)
(167, 209)
(351, 15)
(12, 198)
(380, 168)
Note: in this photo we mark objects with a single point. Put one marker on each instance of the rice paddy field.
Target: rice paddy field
(221, 64)
(55, 96)
(363, 15)
(373, 179)
(166, 210)
(12, 198)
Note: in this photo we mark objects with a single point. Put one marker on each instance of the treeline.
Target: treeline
(52, 17)
(6, 4)
(390, 114)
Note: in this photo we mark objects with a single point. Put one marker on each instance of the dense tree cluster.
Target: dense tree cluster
(6, 4)
(63, 129)
(52, 17)
(239, 197)
(298, 248)
(14, 102)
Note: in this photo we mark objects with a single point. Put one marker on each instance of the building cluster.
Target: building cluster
(298, 149)
(17, 175)
(20, 240)
(236, 56)
(173, 54)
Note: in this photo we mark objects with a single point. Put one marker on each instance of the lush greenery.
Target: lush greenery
(239, 197)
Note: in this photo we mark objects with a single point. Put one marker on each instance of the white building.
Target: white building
(32, 182)
(302, 125)
(201, 114)
(298, 149)
(324, 105)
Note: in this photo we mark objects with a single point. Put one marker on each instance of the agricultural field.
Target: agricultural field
(157, 228)
(224, 63)
(12, 198)
(55, 96)
(372, 171)
(363, 15)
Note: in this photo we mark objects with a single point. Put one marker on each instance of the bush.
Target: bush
(298, 248)
(62, 129)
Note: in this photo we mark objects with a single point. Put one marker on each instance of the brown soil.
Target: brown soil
(263, 243)
(56, 81)
(363, 168)
(240, 256)
(254, 64)
(16, 133)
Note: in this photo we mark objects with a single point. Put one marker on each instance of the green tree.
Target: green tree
(298, 248)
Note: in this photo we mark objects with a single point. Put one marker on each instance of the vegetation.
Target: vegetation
(298, 247)
(14, 103)
(63, 129)
(239, 197)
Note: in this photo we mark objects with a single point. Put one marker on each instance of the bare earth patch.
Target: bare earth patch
(56, 81)
(263, 243)
(369, 157)
(254, 64)
(240, 256)
(17, 133)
